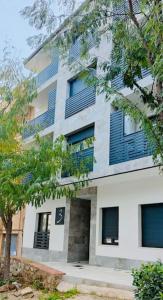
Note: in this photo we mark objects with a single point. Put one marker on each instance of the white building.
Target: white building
(118, 220)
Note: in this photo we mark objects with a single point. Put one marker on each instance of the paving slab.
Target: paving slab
(81, 273)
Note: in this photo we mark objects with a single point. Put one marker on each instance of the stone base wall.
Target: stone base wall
(29, 272)
(42, 255)
(116, 262)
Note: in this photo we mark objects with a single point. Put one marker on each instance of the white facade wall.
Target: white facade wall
(128, 196)
(56, 232)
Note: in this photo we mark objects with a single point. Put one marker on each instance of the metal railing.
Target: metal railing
(41, 240)
(80, 101)
(76, 48)
(47, 73)
(41, 122)
(82, 161)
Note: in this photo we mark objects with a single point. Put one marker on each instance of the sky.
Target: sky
(13, 28)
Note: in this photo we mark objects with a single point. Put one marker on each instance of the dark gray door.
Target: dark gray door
(79, 230)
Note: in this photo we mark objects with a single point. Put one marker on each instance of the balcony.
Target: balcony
(76, 48)
(40, 123)
(82, 160)
(126, 147)
(47, 73)
(80, 101)
(41, 240)
(117, 82)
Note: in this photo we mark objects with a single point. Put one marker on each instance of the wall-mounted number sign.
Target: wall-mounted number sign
(60, 216)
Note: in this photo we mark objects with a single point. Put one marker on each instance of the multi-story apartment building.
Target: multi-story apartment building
(118, 219)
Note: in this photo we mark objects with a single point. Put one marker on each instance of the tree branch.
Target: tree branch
(135, 21)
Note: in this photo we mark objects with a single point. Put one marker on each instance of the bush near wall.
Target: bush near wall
(148, 280)
(31, 273)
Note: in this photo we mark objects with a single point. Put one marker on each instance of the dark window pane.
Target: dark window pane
(152, 225)
(44, 222)
(110, 225)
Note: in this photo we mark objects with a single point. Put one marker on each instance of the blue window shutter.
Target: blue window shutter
(152, 225)
(129, 147)
(110, 223)
(81, 135)
(51, 99)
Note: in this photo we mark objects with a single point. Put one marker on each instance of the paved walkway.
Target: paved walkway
(93, 275)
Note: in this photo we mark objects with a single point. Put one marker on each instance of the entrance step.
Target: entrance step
(101, 291)
(95, 282)
(81, 273)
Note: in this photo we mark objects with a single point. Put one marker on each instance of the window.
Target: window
(76, 86)
(130, 125)
(82, 145)
(110, 225)
(44, 222)
(80, 83)
(13, 247)
(152, 225)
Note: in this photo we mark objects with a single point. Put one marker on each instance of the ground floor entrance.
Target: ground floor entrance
(117, 224)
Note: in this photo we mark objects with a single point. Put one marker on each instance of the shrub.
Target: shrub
(148, 280)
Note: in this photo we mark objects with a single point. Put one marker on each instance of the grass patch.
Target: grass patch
(60, 296)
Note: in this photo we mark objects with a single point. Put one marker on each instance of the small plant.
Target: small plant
(37, 284)
(148, 280)
(2, 282)
(60, 296)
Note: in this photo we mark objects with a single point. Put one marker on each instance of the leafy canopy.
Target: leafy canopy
(28, 174)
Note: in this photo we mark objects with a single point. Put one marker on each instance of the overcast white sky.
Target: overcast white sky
(13, 27)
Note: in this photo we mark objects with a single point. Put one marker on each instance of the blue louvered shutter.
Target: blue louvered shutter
(110, 225)
(152, 225)
(51, 99)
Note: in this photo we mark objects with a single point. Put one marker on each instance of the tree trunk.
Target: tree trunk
(8, 228)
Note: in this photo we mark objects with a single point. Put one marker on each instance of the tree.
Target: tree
(135, 28)
(46, 14)
(27, 175)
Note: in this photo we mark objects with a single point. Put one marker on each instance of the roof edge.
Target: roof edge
(55, 33)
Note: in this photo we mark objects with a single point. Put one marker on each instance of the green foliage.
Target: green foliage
(60, 296)
(37, 284)
(148, 281)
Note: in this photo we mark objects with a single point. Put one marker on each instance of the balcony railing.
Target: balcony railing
(47, 73)
(126, 147)
(41, 240)
(117, 83)
(80, 101)
(41, 122)
(76, 48)
(82, 160)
